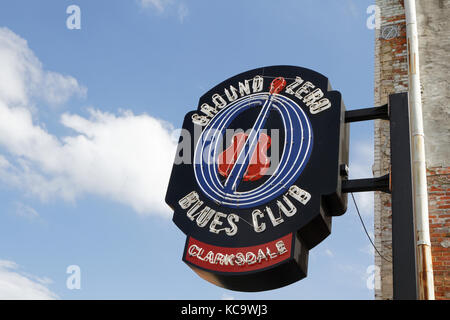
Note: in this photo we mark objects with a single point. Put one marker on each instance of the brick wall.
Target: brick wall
(434, 49)
(439, 205)
(391, 77)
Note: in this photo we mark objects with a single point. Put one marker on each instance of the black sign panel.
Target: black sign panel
(256, 177)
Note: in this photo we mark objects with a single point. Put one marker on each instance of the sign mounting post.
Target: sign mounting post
(399, 184)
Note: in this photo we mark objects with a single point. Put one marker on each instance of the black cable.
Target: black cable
(364, 226)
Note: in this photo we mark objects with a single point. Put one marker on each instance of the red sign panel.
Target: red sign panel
(241, 259)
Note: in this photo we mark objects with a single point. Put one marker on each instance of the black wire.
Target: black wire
(364, 226)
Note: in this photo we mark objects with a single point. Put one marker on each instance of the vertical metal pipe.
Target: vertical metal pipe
(420, 194)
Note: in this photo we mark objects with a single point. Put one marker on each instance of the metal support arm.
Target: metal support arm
(371, 184)
(367, 114)
(399, 184)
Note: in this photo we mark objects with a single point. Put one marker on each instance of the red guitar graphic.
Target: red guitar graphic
(250, 152)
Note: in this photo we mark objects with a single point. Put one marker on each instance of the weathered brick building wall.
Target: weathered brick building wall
(434, 48)
(391, 76)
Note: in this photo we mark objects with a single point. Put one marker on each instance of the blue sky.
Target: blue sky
(87, 131)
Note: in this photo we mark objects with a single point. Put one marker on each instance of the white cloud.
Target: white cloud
(351, 7)
(329, 253)
(368, 249)
(22, 76)
(24, 211)
(227, 297)
(18, 285)
(361, 167)
(158, 5)
(357, 276)
(361, 160)
(166, 6)
(365, 202)
(124, 157)
(183, 12)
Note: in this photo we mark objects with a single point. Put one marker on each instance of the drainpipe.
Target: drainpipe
(419, 174)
